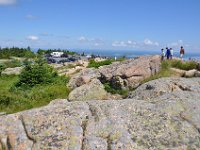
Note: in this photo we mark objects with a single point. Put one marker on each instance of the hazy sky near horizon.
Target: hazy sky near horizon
(100, 24)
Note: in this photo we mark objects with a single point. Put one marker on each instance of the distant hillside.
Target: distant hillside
(6, 53)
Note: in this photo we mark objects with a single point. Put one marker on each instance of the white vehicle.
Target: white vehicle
(57, 54)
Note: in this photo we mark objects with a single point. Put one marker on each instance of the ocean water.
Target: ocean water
(136, 53)
(133, 53)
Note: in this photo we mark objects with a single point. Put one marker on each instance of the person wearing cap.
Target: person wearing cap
(182, 52)
(168, 54)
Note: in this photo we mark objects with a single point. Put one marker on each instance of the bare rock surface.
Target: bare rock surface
(162, 86)
(90, 91)
(130, 73)
(198, 64)
(83, 77)
(167, 121)
(12, 71)
(192, 73)
(120, 75)
(183, 73)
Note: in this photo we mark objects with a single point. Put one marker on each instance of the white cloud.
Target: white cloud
(136, 44)
(7, 2)
(83, 39)
(148, 42)
(97, 41)
(176, 44)
(46, 34)
(92, 41)
(128, 43)
(33, 38)
(31, 17)
(119, 44)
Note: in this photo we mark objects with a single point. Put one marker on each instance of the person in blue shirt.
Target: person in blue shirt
(168, 53)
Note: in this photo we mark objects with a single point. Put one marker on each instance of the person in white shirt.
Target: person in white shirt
(162, 54)
(171, 53)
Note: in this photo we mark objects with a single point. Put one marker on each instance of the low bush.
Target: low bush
(187, 65)
(112, 90)
(164, 72)
(7, 53)
(94, 64)
(165, 68)
(2, 67)
(13, 63)
(14, 99)
(36, 74)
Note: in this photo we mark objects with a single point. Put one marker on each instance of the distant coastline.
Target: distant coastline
(131, 53)
(136, 53)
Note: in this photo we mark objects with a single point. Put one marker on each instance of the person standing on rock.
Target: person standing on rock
(168, 54)
(182, 52)
(162, 54)
(171, 53)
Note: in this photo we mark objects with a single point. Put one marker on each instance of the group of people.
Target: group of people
(169, 53)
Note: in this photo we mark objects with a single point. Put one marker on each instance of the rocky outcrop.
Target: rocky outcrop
(198, 64)
(120, 75)
(183, 73)
(192, 73)
(12, 71)
(90, 91)
(178, 72)
(169, 121)
(130, 73)
(162, 86)
(83, 77)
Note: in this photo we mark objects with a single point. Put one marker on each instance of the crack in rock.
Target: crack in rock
(8, 144)
(3, 143)
(93, 112)
(26, 131)
(84, 128)
(109, 142)
(184, 117)
(182, 87)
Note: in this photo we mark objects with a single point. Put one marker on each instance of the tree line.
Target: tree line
(49, 51)
(6, 53)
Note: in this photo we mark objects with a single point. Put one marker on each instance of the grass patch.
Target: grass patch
(164, 72)
(94, 64)
(14, 99)
(12, 63)
(165, 69)
(187, 65)
(111, 90)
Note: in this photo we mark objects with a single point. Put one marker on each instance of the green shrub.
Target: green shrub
(121, 59)
(167, 64)
(14, 99)
(164, 72)
(2, 67)
(5, 100)
(94, 64)
(13, 63)
(6, 53)
(26, 62)
(188, 65)
(36, 74)
(112, 90)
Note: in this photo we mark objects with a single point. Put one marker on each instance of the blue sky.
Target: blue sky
(100, 24)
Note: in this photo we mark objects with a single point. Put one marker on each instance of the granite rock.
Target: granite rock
(169, 120)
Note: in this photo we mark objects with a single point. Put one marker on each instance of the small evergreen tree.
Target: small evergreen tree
(2, 67)
(35, 74)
